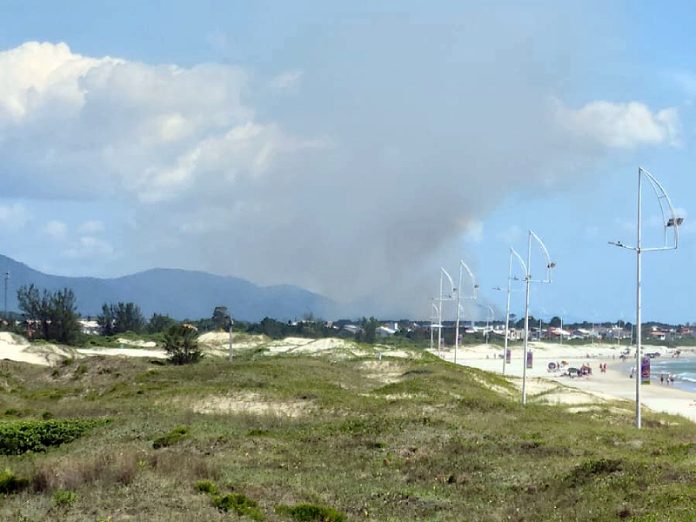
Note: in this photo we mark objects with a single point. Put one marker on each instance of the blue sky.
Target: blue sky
(351, 148)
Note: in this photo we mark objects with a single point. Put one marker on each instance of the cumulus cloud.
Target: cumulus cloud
(621, 125)
(13, 216)
(56, 230)
(152, 131)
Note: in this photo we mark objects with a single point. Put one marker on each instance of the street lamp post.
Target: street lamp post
(435, 313)
(513, 253)
(462, 267)
(528, 279)
(489, 317)
(670, 222)
(443, 274)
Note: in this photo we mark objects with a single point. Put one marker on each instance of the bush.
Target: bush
(177, 434)
(206, 486)
(240, 504)
(64, 497)
(312, 513)
(17, 437)
(10, 483)
(181, 344)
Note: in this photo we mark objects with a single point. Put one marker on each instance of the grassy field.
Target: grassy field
(320, 438)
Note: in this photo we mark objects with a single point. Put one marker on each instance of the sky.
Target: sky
(353, 148)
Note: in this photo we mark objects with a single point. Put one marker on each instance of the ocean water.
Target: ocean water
(683, 369)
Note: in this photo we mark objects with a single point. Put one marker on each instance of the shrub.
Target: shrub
(181, 344)
(17, 437)
(177, 434)
(10, 483)
(240, 504)
(312, 513)
(206, 486)
(64, 497)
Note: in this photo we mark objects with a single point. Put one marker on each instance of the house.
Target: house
(385, 331)
(89, 326)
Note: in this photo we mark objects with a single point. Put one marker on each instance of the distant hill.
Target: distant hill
(179, 293)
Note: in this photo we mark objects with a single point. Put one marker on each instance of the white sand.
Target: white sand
(598, 387)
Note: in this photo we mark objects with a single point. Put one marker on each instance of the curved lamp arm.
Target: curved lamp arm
(451, 282)
(474, 284)
(549, 264)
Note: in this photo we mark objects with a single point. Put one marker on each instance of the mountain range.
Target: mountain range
(181, 294)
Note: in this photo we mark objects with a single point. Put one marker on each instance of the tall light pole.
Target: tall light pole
(528, 280)
(670, 221)
(443, 274)
(462, 267)
(489, 317)
(513, 253)
(433, 317)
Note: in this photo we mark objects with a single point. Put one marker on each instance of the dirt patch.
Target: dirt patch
(383, 371)
(251, 404)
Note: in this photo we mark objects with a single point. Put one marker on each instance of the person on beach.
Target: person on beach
(671, 378)
(631, 376)
(662, 378)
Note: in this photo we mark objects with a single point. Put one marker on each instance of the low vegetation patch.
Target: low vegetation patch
(311, 513)
(17, 437)
(64, 498)
(10, 483)
(206, 486)
(239, 504)
(176, 435)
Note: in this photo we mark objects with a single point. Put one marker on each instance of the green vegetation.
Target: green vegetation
(17, 437)
(119, 318)
(176, 435)
(207, 486)
(54, 313)
(10, 483)
(312, 513)
(240, 504)
(64, 498)
(292, 438)
(181, 344)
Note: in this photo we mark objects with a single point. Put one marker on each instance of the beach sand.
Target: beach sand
(612, 385)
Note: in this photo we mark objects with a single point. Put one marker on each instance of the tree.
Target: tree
(368, 330)
(532, 322)
(221, 318)
(159, 323)
(106, 320)
(120, 318)
(181, 344)
(55, 312)
(555, 321)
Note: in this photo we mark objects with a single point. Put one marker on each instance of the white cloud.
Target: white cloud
(56, 230)
(91, 227)
(621, 125)
(287, 80)
(88, 247)
(82, 125)
(13, 216)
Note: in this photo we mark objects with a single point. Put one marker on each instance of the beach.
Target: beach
(613, 384)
